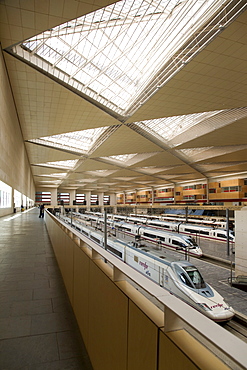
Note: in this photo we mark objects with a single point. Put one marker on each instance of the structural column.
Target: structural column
(113, 200)
(53, 197)
(101, 201)
(71, 196)
(88, 199)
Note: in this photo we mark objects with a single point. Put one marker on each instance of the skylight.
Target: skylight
(121, 158)
(170, 127)
(177, 130)
(59, 175)
(77, 141)
(69, 164)
(118, 56)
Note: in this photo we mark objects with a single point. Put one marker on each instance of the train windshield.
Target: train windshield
(192, 242)
(195, 277)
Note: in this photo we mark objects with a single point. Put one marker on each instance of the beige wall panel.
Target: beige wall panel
(142, 340)
(68, 265)
(108, 307)
(60, 248)
(195, 351)
(171, 357)
(15, 169)
(81, 291)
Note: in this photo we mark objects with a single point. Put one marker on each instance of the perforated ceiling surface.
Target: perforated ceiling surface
(192, 126)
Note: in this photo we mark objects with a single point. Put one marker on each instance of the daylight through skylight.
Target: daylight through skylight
(115, 53)
(170, 127)
(69, 164)
(77, 141)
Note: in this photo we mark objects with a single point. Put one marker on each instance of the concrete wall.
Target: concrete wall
(15, 169)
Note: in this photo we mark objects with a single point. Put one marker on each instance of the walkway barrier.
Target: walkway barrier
(122, 326)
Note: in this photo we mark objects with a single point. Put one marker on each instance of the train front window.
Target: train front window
(192, 241)
(185, 280)
(195, 277)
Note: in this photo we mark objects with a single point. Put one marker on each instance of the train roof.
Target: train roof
(169, 233)
(163, 259)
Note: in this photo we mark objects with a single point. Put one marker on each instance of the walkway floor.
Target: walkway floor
(38, 330)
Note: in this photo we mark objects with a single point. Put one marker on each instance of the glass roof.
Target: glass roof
(121, 158)
(77, 141)
(170, 127)
(69, 164)
(59, 175)
(115, 53)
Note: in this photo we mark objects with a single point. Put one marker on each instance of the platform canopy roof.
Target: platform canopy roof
(136, 94)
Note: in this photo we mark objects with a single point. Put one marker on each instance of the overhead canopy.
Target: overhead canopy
(131, 95)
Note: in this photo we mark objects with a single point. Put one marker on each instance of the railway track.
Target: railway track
(238, 327)
(217, 261)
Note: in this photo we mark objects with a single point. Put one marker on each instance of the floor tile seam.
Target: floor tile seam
(55, 332)
(28, 336)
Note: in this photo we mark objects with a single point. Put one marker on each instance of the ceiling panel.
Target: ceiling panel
(215, 79)
(233, 134)
(125, 141)
(207, 82)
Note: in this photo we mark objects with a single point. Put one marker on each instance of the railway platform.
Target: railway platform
(38, 329)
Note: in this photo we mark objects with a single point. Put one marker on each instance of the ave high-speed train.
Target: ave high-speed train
(171, 240)
(180, 278)
(164, 238)
(202, 231)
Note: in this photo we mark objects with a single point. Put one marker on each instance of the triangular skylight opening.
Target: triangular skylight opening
(69, 164)
(168, 128)
(118, 56)
(56, 175)
(78, 142)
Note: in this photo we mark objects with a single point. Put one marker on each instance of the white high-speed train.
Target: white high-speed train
(180, 278)
(202, 231)
(207, 232)
(164, 238)
(171, 240)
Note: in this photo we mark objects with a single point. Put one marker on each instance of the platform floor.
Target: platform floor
(38, 330)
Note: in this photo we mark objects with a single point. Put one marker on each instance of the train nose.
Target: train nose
(222, 316)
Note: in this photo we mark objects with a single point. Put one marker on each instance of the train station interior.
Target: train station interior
(139, 101)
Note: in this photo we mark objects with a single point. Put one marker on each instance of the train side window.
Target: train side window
(204, 232)
(221, 235)
(84, 232)
(114, 251)
(179, 244)
(150, 235)
(190, 230)
(95, 239)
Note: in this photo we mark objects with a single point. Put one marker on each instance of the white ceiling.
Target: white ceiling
(214, 80)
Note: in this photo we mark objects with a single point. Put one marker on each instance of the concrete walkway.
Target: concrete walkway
(38, 330)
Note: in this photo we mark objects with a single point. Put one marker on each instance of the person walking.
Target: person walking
(41, 211)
